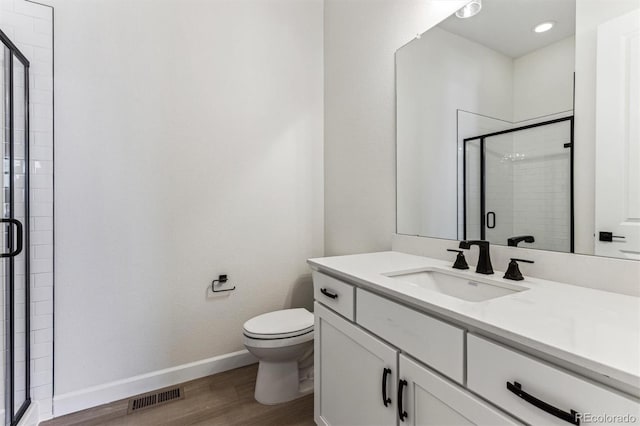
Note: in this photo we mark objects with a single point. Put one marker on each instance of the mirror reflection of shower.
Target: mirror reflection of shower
(516, 181)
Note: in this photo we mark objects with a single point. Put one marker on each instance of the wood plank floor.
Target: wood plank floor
(221, 399)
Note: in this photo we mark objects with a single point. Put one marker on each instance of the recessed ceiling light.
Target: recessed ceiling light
(472, 8)
(544, 27)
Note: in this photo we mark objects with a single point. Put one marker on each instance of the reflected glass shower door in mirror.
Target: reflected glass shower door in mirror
(14, 223)
(517, 186)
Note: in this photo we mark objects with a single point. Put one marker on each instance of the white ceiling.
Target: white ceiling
(507, 25)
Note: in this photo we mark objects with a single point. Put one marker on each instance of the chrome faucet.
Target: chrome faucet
(484, 257)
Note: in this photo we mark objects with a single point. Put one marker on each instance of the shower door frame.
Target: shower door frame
(481, 138)
(12, 416)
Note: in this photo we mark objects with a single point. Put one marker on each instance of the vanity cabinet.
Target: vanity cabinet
(429, 399)
(360, 379)
(433, 342)
(336, 294)
(380, 362)
(351, 368)
(537, 392)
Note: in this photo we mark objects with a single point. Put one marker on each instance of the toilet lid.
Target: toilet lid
(280, 324)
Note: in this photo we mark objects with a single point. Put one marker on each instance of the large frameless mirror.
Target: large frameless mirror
(517, 123)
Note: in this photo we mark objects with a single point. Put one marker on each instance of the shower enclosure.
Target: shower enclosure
(519, 182)
(14, 254)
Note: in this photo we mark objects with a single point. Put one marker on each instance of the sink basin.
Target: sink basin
(460, 287)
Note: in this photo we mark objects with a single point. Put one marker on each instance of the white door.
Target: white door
(429, 399)
(350, 368)
(618, 138)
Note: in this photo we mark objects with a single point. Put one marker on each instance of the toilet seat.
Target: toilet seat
(277, 343)
(279, 325)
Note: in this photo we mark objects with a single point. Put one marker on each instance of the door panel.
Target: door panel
(14, 229)
(431, 400)
(618, 137)
(350, 365)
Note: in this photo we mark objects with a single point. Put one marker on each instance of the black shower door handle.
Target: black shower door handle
(491, 223)
(18, 249)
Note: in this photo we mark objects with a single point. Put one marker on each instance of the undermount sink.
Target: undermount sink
(460, 287)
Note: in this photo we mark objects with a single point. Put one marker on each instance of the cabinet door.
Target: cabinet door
(429, 399)
(350, 367)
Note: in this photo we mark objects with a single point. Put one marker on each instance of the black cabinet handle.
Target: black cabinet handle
(18, 249)
(385, 399)
(571, 417)
(401, 413)
(328, 293)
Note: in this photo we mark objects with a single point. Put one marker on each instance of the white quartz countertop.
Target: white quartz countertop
(592, 329)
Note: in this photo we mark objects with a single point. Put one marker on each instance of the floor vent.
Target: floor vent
(155, 398)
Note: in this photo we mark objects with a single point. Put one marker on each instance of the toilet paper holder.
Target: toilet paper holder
(221, 280)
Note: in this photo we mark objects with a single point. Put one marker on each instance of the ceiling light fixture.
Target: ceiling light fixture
(472, 8)
(544, 27)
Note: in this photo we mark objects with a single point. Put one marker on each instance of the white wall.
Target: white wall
(589, 14)
(189, 143)
(436, 76)
(543, 81)
(361, 37)
(29, 25)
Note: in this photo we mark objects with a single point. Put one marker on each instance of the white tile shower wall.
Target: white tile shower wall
(30, 26)
(542, 186)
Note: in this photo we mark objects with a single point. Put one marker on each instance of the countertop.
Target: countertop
(592, 329)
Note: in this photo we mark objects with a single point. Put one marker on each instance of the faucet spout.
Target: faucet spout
(513, 241)
(484, 256)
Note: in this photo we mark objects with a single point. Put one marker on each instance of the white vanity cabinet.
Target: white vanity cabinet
(540, 393)
(382, 362)
(362, 380)
(350, 369)
(429, 399)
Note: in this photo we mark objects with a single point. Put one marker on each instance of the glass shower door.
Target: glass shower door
(14, 226)
(528, 186)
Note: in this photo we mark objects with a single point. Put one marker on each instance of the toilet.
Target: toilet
(283, 343)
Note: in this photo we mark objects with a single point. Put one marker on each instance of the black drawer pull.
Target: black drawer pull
(328, 293)
(401, 413)
(385, 399)
(571, 417)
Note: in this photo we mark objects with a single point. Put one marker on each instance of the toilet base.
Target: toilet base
(279, 382)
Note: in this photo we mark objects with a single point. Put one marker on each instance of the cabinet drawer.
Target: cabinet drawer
(543, 394)
(334, 294)
(436, 343)
(429, 399)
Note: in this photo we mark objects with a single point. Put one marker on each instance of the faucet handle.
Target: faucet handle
(522, 260)
(513, 271)
(461, 262)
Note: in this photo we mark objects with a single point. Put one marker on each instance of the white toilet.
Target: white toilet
(283, 343)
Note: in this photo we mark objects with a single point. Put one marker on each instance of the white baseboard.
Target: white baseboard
(31, 416)
(120, 389)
